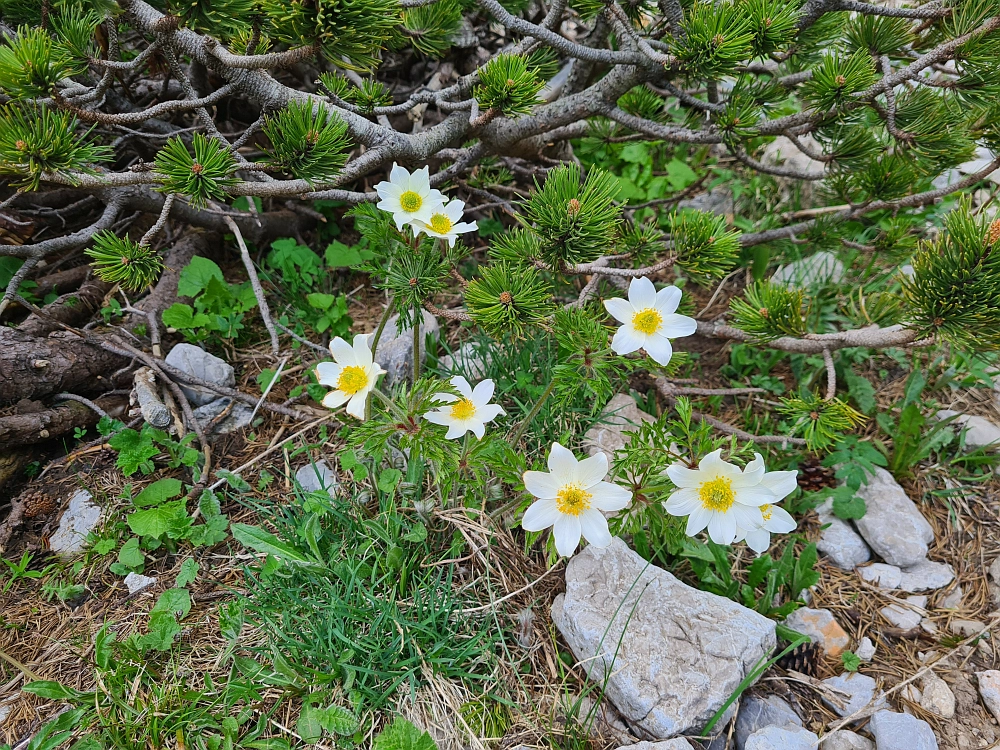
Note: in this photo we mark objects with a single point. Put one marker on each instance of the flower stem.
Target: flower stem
(396, 411)
(418, 318)
(375, 340)
(533, 413)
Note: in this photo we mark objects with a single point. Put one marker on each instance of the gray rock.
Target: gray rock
(718, 201)
(196, 361)
(782, 738)
(893, 526)
(882, 575)
(678, 743)
(926, 576)
(465, 361)
(994, 572)
(979, 432)
(620, 416)
(854, 691)
(937, 696)
(822, 627)
(989, 690)
(952, 600)
(839, 541)
(80, 518)
(395, 348)
(135, 582)
(5, 711)
(893, 731)
(966, 628)
(906, 615)
(865, 650)
(758, 712)
(820, 268)
(152, 408)
(210, 416)
(683, 652)
(845, 740)
(318, 477)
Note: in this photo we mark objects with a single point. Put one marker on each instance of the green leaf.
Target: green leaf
(388, 479)
(54, 691)
(196, 275)
(403, 735)
(847, 505)
(183, 317)
(134, 449)
(170, 518)
(680, 174)
(417, 534)
(265, 378)
(104, 546)
(130, 555)
(337, 720)
(188, 572)
(309, 727)
(175, 601)
(259, 540)
(804, 574)
(339, 255)
(861, 390)
(636, 153)
(321, 301)
(158, 492)
(851, 661)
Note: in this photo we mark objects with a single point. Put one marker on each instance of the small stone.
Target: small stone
(135, 582)
(677, 743)
(757, 712)
(839, 541)
(859, 689)
(979, 432)
(995, 576)
(80, 518)
(903, 616)
(683, 652)
(937, 697)
(5, 711)
(989, 690)
(211, 420)
(622, 415)
(822, 627)
(865, 650)
(465, 361)
(966, 628)
(845, 740)
(952, 600)
(819, 268)
(911, 693)
(782, 738)
(926, 576)
(195, 361)
(318, 477)
(395, 348)
(894, 731)
(893, 526)
(881, 575)
(718, 201)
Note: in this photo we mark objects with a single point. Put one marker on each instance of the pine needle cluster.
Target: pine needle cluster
(769, 311)
(31, 63)
(307, 141)
(201, 177)
(508, 300)
(508, 86)
(703, 246)
(819, 422)
(120, 260)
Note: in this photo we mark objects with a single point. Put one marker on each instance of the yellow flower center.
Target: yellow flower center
(717, 494)
(410, 201)
(352, 379)
(647, 321)
(765, 511)
(441, 224)
(573, 500)
(463, 409)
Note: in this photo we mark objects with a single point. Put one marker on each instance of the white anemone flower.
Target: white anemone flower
(446, 223)
(352, 374)
(720, 496)
(571, 496)
(649, 320)
(775, 520)
(409, 197)
(468, 412)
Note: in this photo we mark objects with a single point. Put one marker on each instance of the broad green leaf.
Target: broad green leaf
(339, 255)
(188, 572)
(54, 691)
(259, 540)
(183, 317)
(680, 174)
(130, 555)
(337, 720)
(175, 601)
(158, 492)
(195, 276)
(403, 735)
(170, 518)
(848, 505)
(309, 727)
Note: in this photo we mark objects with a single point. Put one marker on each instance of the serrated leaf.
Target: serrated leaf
(403, 735)
(183, 317)
(259, 540)
(851, 661)
(338, 720)
(130, 555)
(158, 492)
(339, 255)
(196, 275)
(134, 449)
(188, 572)
(309, 727)
(170, 519)
(849, 507)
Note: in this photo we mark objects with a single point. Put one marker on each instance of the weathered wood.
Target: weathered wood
(72, 308)
(61, 419)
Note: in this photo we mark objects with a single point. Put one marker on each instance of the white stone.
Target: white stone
(966, 628)
(783, 152)
(819, 268)
(197, 362)
(237, 416)
(677, 743)
(979, 431)
(822, 627)
(80, 518)
(621, 416)
(757, 712)
(136, 583)
(911, 693)
(316, 477)
(683, 652)
(865, 650)
(906, 615)
(881, 575)
(952, 600)
(937, 697)
(845, 740)
(395, 348)
(854, 691)
(718, 201)
(893, 526)
(782, 738)
(465, 361)
(989, 690)
(5, 711)
(995, 576)
(839, 541)
(893, 731)
(926, 576)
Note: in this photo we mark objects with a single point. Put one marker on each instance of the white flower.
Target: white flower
(446, 223)
(649, 320)
(471, 411)
(352, 374)
(409, 197)
(572, 495)
(775, 520)
(720, 496)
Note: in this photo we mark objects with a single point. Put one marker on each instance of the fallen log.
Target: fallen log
(58, 420)
(72, 308)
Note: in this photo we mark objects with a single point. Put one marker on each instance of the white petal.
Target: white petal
(758, 495)
(457, 429)
(609, 497)
(462, 386)
(566, 531)
(541, 515)
(420, 180)
(328, 373)
(758, 540)
(747, 516)
(356, 406)
(667, 300)
(722, 528)
(658, 347)
(454, 210)
(682, 476)
(781, 483)
(713, 466)
(388, 192)
(562, 463)
(752, 473)
(335, 399)
(699, 519)
(682, 502)
(678, 326)
(342, 352)
(439, 417)
(627, 340)
(590, 471)
(362, 349)
(448, 398)
(594, 527)
(642, 293)
(483, 392)
(780, 522)
(541, 484)
(399, 174)
(620, 309)
(478, 428)
(489, 412)
(465, 226)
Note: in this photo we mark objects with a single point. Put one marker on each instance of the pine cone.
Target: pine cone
(38, 502)
(804, 659)
(813, 476)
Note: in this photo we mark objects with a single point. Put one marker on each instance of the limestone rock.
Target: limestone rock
(952, 600)
(893, 731)
(906, 615)
(937, 696)
(881, 575)
(395, 348)
(718, 201)
(995, 580)
(989, 690)
(853, 691)
(758, 712)
(822, 627)
(464, 361)
(620, 416)
(683, 652)
(223, 416)
(782, 738)
(865, 650)
(80, 518)
(926, 576)
(196, 361)
(316, 477)
(966, 628)
(979, 432)
(678, 743)
(845, 740)
(819, 268)
(135, 582)
(893, 526)
(839, 541)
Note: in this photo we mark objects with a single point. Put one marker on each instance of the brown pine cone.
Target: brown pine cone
(813, 476)
(804, 659)
(38, 502)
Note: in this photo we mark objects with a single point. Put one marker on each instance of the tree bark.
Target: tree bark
(61, 419)
(71, 308)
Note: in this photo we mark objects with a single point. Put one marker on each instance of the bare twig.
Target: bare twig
(258, 290)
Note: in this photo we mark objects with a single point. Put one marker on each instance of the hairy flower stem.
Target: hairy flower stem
(533, 413)
(418, 318)
(375, 340)
(396, 411)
